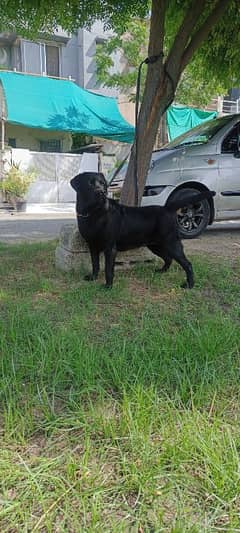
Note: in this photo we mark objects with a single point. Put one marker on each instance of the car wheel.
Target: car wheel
(192, 220)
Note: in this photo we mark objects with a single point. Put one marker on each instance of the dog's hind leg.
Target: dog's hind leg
(110, 256)
(177, 253)
(167, 264)
(164, 255)
(95, 266)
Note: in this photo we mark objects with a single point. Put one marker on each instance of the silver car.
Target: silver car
(206, 157)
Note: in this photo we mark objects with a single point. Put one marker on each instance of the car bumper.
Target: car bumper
(158, 199)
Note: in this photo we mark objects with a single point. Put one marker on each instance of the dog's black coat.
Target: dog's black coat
(109, 227)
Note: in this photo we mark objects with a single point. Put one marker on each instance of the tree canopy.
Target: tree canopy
(196, 87)
(28, 17)
(131, 46)
(219, 53)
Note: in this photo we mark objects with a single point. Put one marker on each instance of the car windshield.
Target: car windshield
(199, 135)
(117, 173)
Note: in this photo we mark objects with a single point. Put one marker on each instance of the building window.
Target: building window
(52, 60)
(5, 56)
(12, 142)
(54, 145)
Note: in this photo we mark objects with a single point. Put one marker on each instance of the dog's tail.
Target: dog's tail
(188, 199)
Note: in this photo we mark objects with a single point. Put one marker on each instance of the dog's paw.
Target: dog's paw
(160, 270)
(186, 285)
(89, 277)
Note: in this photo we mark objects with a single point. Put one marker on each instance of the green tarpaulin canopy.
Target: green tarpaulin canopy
(52, 104)
(182, 119)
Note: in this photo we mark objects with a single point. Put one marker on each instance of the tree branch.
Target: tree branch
(183, 34)
(203, 32)
(157, 27)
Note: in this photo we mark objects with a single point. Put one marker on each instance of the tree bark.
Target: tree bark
(160, 95)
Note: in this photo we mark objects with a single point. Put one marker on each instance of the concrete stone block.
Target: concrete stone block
(72, 253)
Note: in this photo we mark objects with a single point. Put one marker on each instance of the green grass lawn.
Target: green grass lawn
(120, 410)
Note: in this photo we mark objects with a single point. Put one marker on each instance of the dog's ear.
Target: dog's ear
(103, 179)
(74, 182)
(101, 175)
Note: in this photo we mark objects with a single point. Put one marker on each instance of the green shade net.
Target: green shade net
(54, 104)
(182, 119)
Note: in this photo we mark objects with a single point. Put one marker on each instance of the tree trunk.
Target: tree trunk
(158, 95)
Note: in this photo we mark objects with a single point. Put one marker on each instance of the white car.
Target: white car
(206, 157)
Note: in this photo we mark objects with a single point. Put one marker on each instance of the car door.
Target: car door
(199, 163)
(229, 175)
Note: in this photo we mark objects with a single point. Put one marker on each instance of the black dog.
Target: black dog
(109, 227)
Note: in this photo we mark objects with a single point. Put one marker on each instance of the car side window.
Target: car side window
(230, 144)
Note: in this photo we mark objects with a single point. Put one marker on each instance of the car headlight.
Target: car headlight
(153, 190)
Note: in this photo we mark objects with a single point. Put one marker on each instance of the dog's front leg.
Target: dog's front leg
(110, 256)
(95, 266)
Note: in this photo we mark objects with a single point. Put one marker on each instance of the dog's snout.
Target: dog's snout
(99, 187)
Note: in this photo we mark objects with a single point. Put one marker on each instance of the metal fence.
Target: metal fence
(224, 106)
(53, 173)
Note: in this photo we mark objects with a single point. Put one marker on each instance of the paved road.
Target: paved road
(32, 227)
(221, 238)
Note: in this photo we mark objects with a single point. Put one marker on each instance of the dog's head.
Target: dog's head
(91, 189)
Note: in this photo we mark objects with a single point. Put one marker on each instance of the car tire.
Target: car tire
(193, 219)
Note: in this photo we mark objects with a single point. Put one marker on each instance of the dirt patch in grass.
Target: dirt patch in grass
(218, 242)
(142, 291)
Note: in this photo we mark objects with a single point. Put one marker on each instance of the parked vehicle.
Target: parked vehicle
(206, 157)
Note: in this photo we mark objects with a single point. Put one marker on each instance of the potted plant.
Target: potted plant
(15, 185)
